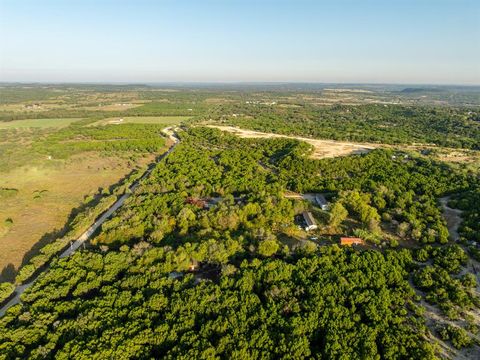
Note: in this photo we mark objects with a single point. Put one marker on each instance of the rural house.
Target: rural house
(322, 202)
(309, 221)
(200, 203)
(349, 241)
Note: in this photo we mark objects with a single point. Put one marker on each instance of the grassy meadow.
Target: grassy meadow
(37, 123)
(37, 200)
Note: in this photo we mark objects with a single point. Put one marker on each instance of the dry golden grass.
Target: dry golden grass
(46, 196)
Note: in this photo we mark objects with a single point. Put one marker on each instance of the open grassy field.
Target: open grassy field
(39, 199)
(163, 120)
(50, 167)
(37, 123)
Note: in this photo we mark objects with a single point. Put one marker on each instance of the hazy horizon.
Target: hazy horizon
(239, 83)
(329, 42)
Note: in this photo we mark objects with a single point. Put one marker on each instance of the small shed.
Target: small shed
(194, 265)
(309, 221)
(322, 202)
(349, 241)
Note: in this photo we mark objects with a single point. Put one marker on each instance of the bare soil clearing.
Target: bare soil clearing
(433, 316)
(452, 216)
(333, 148)
(115, 107)
(322, 148)
(162, 120)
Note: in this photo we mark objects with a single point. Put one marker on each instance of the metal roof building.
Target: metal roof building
(322, 202)
(309, 220)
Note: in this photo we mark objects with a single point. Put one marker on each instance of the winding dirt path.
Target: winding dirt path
(452, 216)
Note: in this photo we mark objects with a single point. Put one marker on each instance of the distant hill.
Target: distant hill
(420, 90)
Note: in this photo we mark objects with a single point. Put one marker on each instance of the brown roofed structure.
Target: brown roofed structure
(200, 203)
(349, 241)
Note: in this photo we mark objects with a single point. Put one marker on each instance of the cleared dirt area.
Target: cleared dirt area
(322, 148)
(115, 107)
(45, 197)
(162, 120)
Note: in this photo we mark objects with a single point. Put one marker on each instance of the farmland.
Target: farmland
(37, 123)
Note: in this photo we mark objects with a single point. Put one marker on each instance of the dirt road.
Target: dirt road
(452, 216)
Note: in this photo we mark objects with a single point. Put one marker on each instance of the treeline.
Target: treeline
(390, 124)
(174, 108)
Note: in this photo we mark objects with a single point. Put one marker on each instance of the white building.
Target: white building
(322, 202)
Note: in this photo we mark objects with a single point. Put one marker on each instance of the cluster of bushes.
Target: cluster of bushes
(458, 336)
(440, 280)
(6, 289)
(6, 193)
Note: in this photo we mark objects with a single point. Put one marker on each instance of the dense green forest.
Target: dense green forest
(468, 202)
(203, 262)
(391, 124)
(124, 305)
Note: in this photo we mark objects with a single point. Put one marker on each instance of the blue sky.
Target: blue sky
(373, 41)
